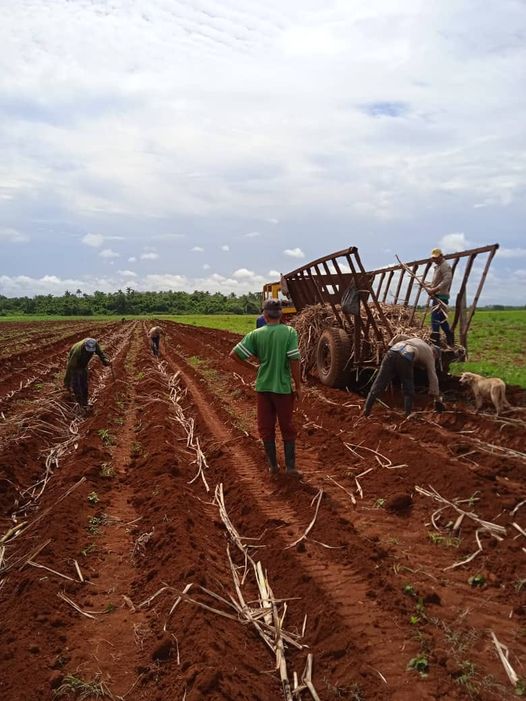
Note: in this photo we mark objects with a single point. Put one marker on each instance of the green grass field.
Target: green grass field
(228, 322)
(497, 346)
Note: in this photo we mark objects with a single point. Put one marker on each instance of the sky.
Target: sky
(212, 144)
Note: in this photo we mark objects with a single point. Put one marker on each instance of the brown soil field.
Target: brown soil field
(127, 537)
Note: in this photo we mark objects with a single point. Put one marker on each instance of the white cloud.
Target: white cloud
(197, 249)
(101, 130)
(274, 274)
(127, 273)
(252, 234)
(453, 243)
(165, 282)
(206, 266)
(108, 253)
(149, 248)
(149, 256)
(94, 240)
(294, 253)
(13, 236)
(225, 247)
(132, 259)
(243, 274)
(512, 253)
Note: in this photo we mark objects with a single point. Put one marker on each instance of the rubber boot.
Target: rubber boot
(371, 398)
(435, 338)
(408, 405)
(290, 459)
(270, 451)
(450, 338)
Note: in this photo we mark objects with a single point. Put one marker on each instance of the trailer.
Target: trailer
(366, 305)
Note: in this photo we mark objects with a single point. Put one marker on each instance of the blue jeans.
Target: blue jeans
(439, 316)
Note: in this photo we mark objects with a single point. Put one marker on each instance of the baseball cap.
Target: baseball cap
(436, 253)
(90, 344)
(273, 308)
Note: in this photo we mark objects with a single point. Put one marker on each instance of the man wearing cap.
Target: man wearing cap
(275, 346)
(76, 377)
(439, 293)
(154, 334)
(399, 361)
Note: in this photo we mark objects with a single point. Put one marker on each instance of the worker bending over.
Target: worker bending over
(399, 361)
(154, 334)
(275, 346)
(76, 377)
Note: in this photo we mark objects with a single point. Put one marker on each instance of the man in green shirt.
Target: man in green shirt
(76, 377)
(275, 346)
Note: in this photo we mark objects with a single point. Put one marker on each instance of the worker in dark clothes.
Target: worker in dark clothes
(260, 321)
(399, 362)
(76, 377)
(154, 334)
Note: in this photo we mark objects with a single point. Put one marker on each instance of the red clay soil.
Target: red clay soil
(373, 576)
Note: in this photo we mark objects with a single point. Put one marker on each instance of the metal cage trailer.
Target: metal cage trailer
(366, 304)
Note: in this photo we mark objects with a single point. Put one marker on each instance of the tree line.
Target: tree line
(132, 302)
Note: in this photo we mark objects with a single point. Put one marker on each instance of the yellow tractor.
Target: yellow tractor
(272, 290)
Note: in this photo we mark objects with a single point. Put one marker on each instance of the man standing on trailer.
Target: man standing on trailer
(275, 346)
(154, 334)
(439, 293)
(399, 361)
(76, 377)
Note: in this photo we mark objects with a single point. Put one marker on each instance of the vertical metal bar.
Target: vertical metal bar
(357, 321)
(320, 293)
(364, 294)
(376, 303)
(462, 320)
(341, 283)
(388, 285)
(410, 286)
(479, 289)
(402, 273)
(462, 290)
(380, 283)
(426, 270)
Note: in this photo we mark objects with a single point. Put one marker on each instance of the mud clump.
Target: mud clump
(163, 650)
(400, 503)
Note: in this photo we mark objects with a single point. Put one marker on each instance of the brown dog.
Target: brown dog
(486, 388)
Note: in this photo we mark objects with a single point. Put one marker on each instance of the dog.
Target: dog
(486, 388)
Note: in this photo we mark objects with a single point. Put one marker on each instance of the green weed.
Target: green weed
(93, 498)
(447, 541)
(477, 580)
(107, 470)
(105, 436)
(94, 524)
(379, 504)
(83, 689)
(419, 664)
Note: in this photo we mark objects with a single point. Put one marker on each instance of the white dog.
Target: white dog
(486, 388)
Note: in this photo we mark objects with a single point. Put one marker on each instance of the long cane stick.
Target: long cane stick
(441, 305)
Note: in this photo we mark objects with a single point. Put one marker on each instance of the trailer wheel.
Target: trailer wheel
(332, 357)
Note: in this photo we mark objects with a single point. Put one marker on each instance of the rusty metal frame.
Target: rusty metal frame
(311, 283)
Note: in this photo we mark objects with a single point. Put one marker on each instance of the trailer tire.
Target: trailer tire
(332, 357)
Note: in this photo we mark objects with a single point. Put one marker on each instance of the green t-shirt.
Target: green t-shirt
(273, 345)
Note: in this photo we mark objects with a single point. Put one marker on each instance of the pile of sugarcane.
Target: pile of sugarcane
(314, 319)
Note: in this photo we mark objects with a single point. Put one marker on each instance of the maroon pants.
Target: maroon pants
(271, 405)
